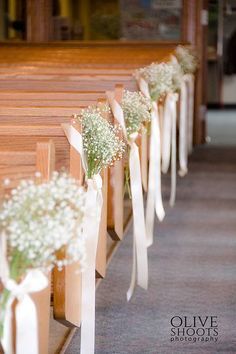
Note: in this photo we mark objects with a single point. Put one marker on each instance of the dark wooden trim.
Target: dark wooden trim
(39, 20)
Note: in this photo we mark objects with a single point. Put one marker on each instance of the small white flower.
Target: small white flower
(38, 174)
(137, 111)
(187, 59)
(6, 182)
(100, 139)
(159, 77)
(41, 219)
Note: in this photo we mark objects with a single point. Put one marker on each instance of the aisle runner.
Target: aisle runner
(140, 259)
(91, 230)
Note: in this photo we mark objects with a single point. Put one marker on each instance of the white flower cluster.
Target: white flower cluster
(159, 78)
(137, 111)
(177, 76)
(40, 219)
(101, 141)
(187, 58)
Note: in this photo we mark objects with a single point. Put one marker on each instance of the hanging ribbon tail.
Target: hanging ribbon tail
(140, 261)
(144, 159)
(154, 196)
(166, 134)
(155, 153)
(173, 149)
(154, 178)
(26, 314)
(189, 79)
(183, 131)
(91, 225)
(91, 230)
(130, 291)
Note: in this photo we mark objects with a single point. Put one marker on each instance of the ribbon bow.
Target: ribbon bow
(140, 259)
(25, 312)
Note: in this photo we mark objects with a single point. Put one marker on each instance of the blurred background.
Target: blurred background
(157, 20)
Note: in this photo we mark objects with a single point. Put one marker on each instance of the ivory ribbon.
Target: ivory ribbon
(140, 259)
(144, 159)
(169, 141)
(94, 203)
(93, 207)
(189, 79)
(183, 126)
(154, 197)
(25, 313)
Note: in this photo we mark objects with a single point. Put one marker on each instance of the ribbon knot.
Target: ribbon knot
(17, 290)
(97, 182)
(132, 138)
(26, 314)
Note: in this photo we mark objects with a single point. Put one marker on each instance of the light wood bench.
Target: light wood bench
(15, 165)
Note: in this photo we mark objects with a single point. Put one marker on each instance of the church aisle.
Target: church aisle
(192, 269)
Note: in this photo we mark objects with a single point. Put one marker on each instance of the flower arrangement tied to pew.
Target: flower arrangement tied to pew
(37, 222)
(99, 145)
(187, 58)
(189, 62)
(156, 81)
(137, 114)
(133, 112)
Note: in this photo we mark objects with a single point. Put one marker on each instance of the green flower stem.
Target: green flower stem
(17, 268)
(127, 180)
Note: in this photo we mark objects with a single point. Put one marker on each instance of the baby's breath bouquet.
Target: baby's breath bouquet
(159, 77)
(177, 76)
(101, 142)
(187, 59)
(38, 220)
(137, 111)
(137, 114)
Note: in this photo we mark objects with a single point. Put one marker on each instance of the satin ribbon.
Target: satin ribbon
(154, 197)
(189, 80)
(140, 259)
(25, 313)
(183, 126)
(91, 225)
(169, 141)
(93, 207)
(144, 159)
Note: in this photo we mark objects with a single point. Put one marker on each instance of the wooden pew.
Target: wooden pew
(58, 84)
(15, 165)
(56, 108)
(67, 284)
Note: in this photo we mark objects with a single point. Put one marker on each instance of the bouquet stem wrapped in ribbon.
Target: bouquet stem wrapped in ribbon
(98, 146)
(154, 197)
(133, 108)
(36, 222)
